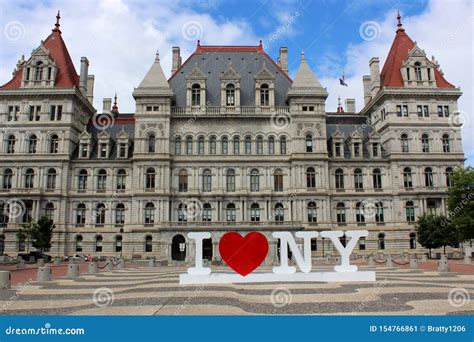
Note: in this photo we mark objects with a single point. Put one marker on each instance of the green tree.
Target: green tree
(42, 234)
(461, 202)
(25, 233)
(435, 231)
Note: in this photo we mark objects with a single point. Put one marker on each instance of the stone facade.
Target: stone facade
(229, 143)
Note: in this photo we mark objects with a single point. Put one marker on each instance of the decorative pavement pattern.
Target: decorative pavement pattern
(156, 291)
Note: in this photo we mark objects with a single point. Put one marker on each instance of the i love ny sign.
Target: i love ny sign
(244, 254)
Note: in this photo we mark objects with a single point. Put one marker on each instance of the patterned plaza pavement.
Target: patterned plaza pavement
(156, 291)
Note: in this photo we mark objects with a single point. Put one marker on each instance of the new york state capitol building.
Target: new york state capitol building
(228, 143)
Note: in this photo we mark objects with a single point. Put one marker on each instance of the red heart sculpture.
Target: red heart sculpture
(243, 254)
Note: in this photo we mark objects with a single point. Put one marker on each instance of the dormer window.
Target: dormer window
(103, 147)
(39, 71)
(356, 150)
(123, 150)
(337, 149)
(230, 95)
(195, 95)
(264, 95)
(418, 71)
(84, 148)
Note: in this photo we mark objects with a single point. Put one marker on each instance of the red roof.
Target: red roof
(66, 77)
(391, 75)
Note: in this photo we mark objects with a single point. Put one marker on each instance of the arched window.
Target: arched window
(255, 212)
(279, 213)
(236, 145)
(100, 214)
(206, 212)
(177, 145)
(309, 143)
(358, 179)
(29, 179)
(404, 143)
(264, 95)
(98, 243)
(102, 180)
(195, 95)
(407, 178)
(82, 180)
(360, 210)
(271, 145)
(183, 181)
(120, 213)
(11, 144)
(418, 71)
(51, 179)
(449, 177)
(248, 144)
(254, 180)
(312, 212)
(39, 71)
(118, 243)
(425, 143)
(339, 177)
(206, 180)
(150, 178)
(32, 143)
(341, 213)
(121, 179)
(7, 179)
(259, 145)
(446, 143)
(49, 211)
(429, 182)
(225, 145)
(230, 180)
(230, 95)
(377, 178)
(79, 243)
(278, 180)
(310, 177)
(230, 212)
(410, 211)
(178, 248)
(151, 143)
(189, 145)
(81, 214)
(182, 212)
(283, 145)
(201, 145)
(212, 145)
(381, 241)
(412, 240)
(148, 244)
(379, 212)
(149, 213)
(54, 144)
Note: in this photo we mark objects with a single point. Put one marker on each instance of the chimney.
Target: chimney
(374, 65)
(176, 63)
(90, 88)
(107, 104)
(83, 76)
(283, 58)
(350, 105)
(367, 95)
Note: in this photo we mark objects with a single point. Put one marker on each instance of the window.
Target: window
(82, 180)
(32, 142)
(7, 179)
(151, 143)
(118, 243)
(418, 71)
(149, 213)
(309, 143)
(79, 243)
(248, 144)
(212, 145)
(150, 178)
(381, 241)
(182, 212)
(29, 179)
(206, 180)
(443, 111)
(425, 143)
(339, 177)
(81, 214)
(206, 212)
(429, 182)
(28, 212)
(375, 149)
(449, 177)
(103, 150)
(283, 145)
(4, 212)
(51, 179)
(259, 145)
(404, 143)
(121, 179)
(358, 179)
(195, 95)
(120, 213)
(13, 112)
(102, 180)
(98, 244)
(360, 210)
(408, 74)
(379, 212)
(201, 145)
(279, 213)
(254, 180)
(271, 145)
(230, 180)
(412, 241)
(429, 73)
(255, 212)
(410, 211)
(341, 213)
(236, 145)
(310, 177)
(84, 150)
(431, 206)
(177, 145)
(402, 111)
(312, 212)
(225, 145)
(230, 95)
(407, 178)
(148, 244)
(11, 144)
(39, 71)
(55, 113)
(189, 145)
(377, 179)
(337, 149)
(230, 212)
(362, 244)
(49, 211)
(446, 143)
(356, 150)
(123, 150)
(278, 180)
(54, 144)
(100, 214)
(264, 95)
(183, 181)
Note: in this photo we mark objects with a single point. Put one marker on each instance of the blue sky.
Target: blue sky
(120, 38)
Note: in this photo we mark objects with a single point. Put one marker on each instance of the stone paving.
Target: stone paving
(156, 291)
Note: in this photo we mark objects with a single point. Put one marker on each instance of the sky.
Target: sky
(120, 38)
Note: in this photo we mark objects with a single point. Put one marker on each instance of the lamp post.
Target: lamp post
(121, 247)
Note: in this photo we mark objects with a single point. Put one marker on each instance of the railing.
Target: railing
(217, 110)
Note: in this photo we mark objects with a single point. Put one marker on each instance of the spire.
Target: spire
(56, 26)
(399, 25)
(305, 77)
(154, 82)
(115, 110)
(340, 109)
